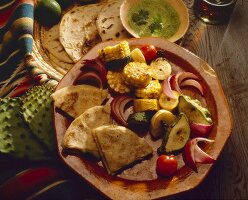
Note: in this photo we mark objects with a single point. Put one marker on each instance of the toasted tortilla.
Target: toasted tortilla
(109, 23)
(78, 137)
(50, 41)
(61, 66)
(74, 100)
(78, 32)
(97, 116)
(119, 147)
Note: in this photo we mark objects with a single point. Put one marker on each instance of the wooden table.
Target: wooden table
(225, 48)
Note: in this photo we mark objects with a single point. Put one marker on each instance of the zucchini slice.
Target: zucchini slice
(194, 110)
(177, 136)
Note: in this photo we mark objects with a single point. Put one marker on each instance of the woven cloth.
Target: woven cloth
(18, 71)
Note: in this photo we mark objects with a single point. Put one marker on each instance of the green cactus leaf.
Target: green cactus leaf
(16, 139)
(36, 110)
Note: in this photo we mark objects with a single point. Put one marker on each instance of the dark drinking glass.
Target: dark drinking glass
(214, 11)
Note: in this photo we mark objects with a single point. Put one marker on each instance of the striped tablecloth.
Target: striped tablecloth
(17, 71)
(22, 179)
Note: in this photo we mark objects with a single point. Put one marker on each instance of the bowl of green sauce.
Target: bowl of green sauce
(168, 19)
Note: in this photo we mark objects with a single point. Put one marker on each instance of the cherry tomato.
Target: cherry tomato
(166, 165)
(149, 52)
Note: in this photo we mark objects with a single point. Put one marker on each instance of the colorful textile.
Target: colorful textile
(15, 36)
(16, 43)
(18, 73)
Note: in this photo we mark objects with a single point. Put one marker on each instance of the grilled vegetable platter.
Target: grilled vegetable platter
(139, 111)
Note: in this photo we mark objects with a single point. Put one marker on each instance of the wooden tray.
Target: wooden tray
(151, 187)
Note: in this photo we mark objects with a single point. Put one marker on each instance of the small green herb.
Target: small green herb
(141, 17)
(157, 24)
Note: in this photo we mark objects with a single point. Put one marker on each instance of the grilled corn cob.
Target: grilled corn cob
(116, 82)
(152, 91)
(116, 52)
(135, 74)
(140, 105)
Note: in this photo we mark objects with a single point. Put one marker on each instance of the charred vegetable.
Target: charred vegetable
(136, 74)
(194, 111)
(115, 57)
(140, 119)
(176, 135)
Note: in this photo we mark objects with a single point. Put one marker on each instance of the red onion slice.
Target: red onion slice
(200, 130)
(90, 78)
(193, 154)
(118, 107)
(193, 83)
(166, 85)
(97, 66)
(181, 76)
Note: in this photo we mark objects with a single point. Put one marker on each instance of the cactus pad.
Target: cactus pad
(36, 110)
(16, 138)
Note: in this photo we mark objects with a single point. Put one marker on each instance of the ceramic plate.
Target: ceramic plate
(141, 181)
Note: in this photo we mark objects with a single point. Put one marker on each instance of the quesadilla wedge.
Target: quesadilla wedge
(74, 100)
(78, 137)
(119, 147)
(97, 116)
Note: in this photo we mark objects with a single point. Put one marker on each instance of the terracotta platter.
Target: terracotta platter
(140, 181)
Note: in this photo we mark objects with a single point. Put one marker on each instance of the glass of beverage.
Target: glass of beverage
(214, 11)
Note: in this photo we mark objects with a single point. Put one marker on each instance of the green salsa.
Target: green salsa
(155, 18)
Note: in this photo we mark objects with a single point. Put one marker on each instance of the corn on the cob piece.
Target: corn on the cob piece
(116, 52)
(140, 105)
(116, 82)
(137, 56)
(136, 74)
(151, 91)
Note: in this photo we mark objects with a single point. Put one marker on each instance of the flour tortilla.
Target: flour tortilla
(74, 100)
(78, 136)
(50, 41)
(60, 66)
(109, 23)
(96, 116)
(119, 147)
(78, 32)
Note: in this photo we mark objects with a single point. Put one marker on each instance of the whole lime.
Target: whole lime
(48, 12)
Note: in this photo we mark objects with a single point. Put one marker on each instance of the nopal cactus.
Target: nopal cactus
(16, 138)
(6, 139)
(36, 110)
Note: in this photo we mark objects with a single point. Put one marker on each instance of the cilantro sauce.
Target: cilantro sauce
(155, 18)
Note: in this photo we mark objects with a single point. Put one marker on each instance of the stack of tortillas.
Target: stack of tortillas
(81, 28)
(58, 57)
